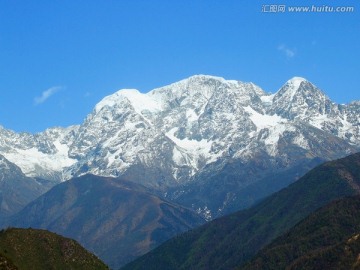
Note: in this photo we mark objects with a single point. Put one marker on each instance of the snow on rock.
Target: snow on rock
(180, 128)
(191, 151)
(294, 84)
(30, 160)
(262, 120)
(267, 99)
(142, 102)
(42, 154)
(205, 212)
(301, 141)
(296, 81)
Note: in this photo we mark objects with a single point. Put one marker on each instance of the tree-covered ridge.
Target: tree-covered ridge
(40, 249)
(327, 239)
(233, 240)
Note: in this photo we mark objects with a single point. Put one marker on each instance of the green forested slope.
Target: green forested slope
(233, 240)
(27, 249)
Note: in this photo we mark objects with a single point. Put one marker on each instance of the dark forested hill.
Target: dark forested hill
(327, 239)
(39, 249)
(233, 240)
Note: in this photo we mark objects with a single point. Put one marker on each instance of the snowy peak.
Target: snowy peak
(142, 102)
(192, 119)
(139, 101)
(181, 128)
(194, 90)
(207, 79)
(112, 100)
(291, 88)
(203, 131)
(296, 81)
(187, 91)
(300, 99)
(200, 91)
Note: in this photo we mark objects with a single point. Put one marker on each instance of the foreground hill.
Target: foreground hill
(115, 219)
(6, 264)
(40, 249)
(327, 239)
(230, 241)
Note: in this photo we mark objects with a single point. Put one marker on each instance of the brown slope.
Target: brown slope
(116, 219)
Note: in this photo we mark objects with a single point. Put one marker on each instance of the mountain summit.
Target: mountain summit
(300, 99)
(204, 131)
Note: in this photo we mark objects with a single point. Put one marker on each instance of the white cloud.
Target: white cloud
(46, 94)
(290, 53)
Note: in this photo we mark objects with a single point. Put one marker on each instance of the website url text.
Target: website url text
(313, 8)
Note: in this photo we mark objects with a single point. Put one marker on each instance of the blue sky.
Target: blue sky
(59, 58)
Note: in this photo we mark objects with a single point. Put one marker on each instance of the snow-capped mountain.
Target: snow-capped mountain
(189, 131)
(183, 127)
(175, 130)
(43, 155)
(300, 100)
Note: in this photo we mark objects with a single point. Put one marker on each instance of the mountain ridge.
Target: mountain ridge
(172, 137)
(187, 87)
(40, 249)
(114, 218)
(326, 239)
(16, 189)
(230, 241)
